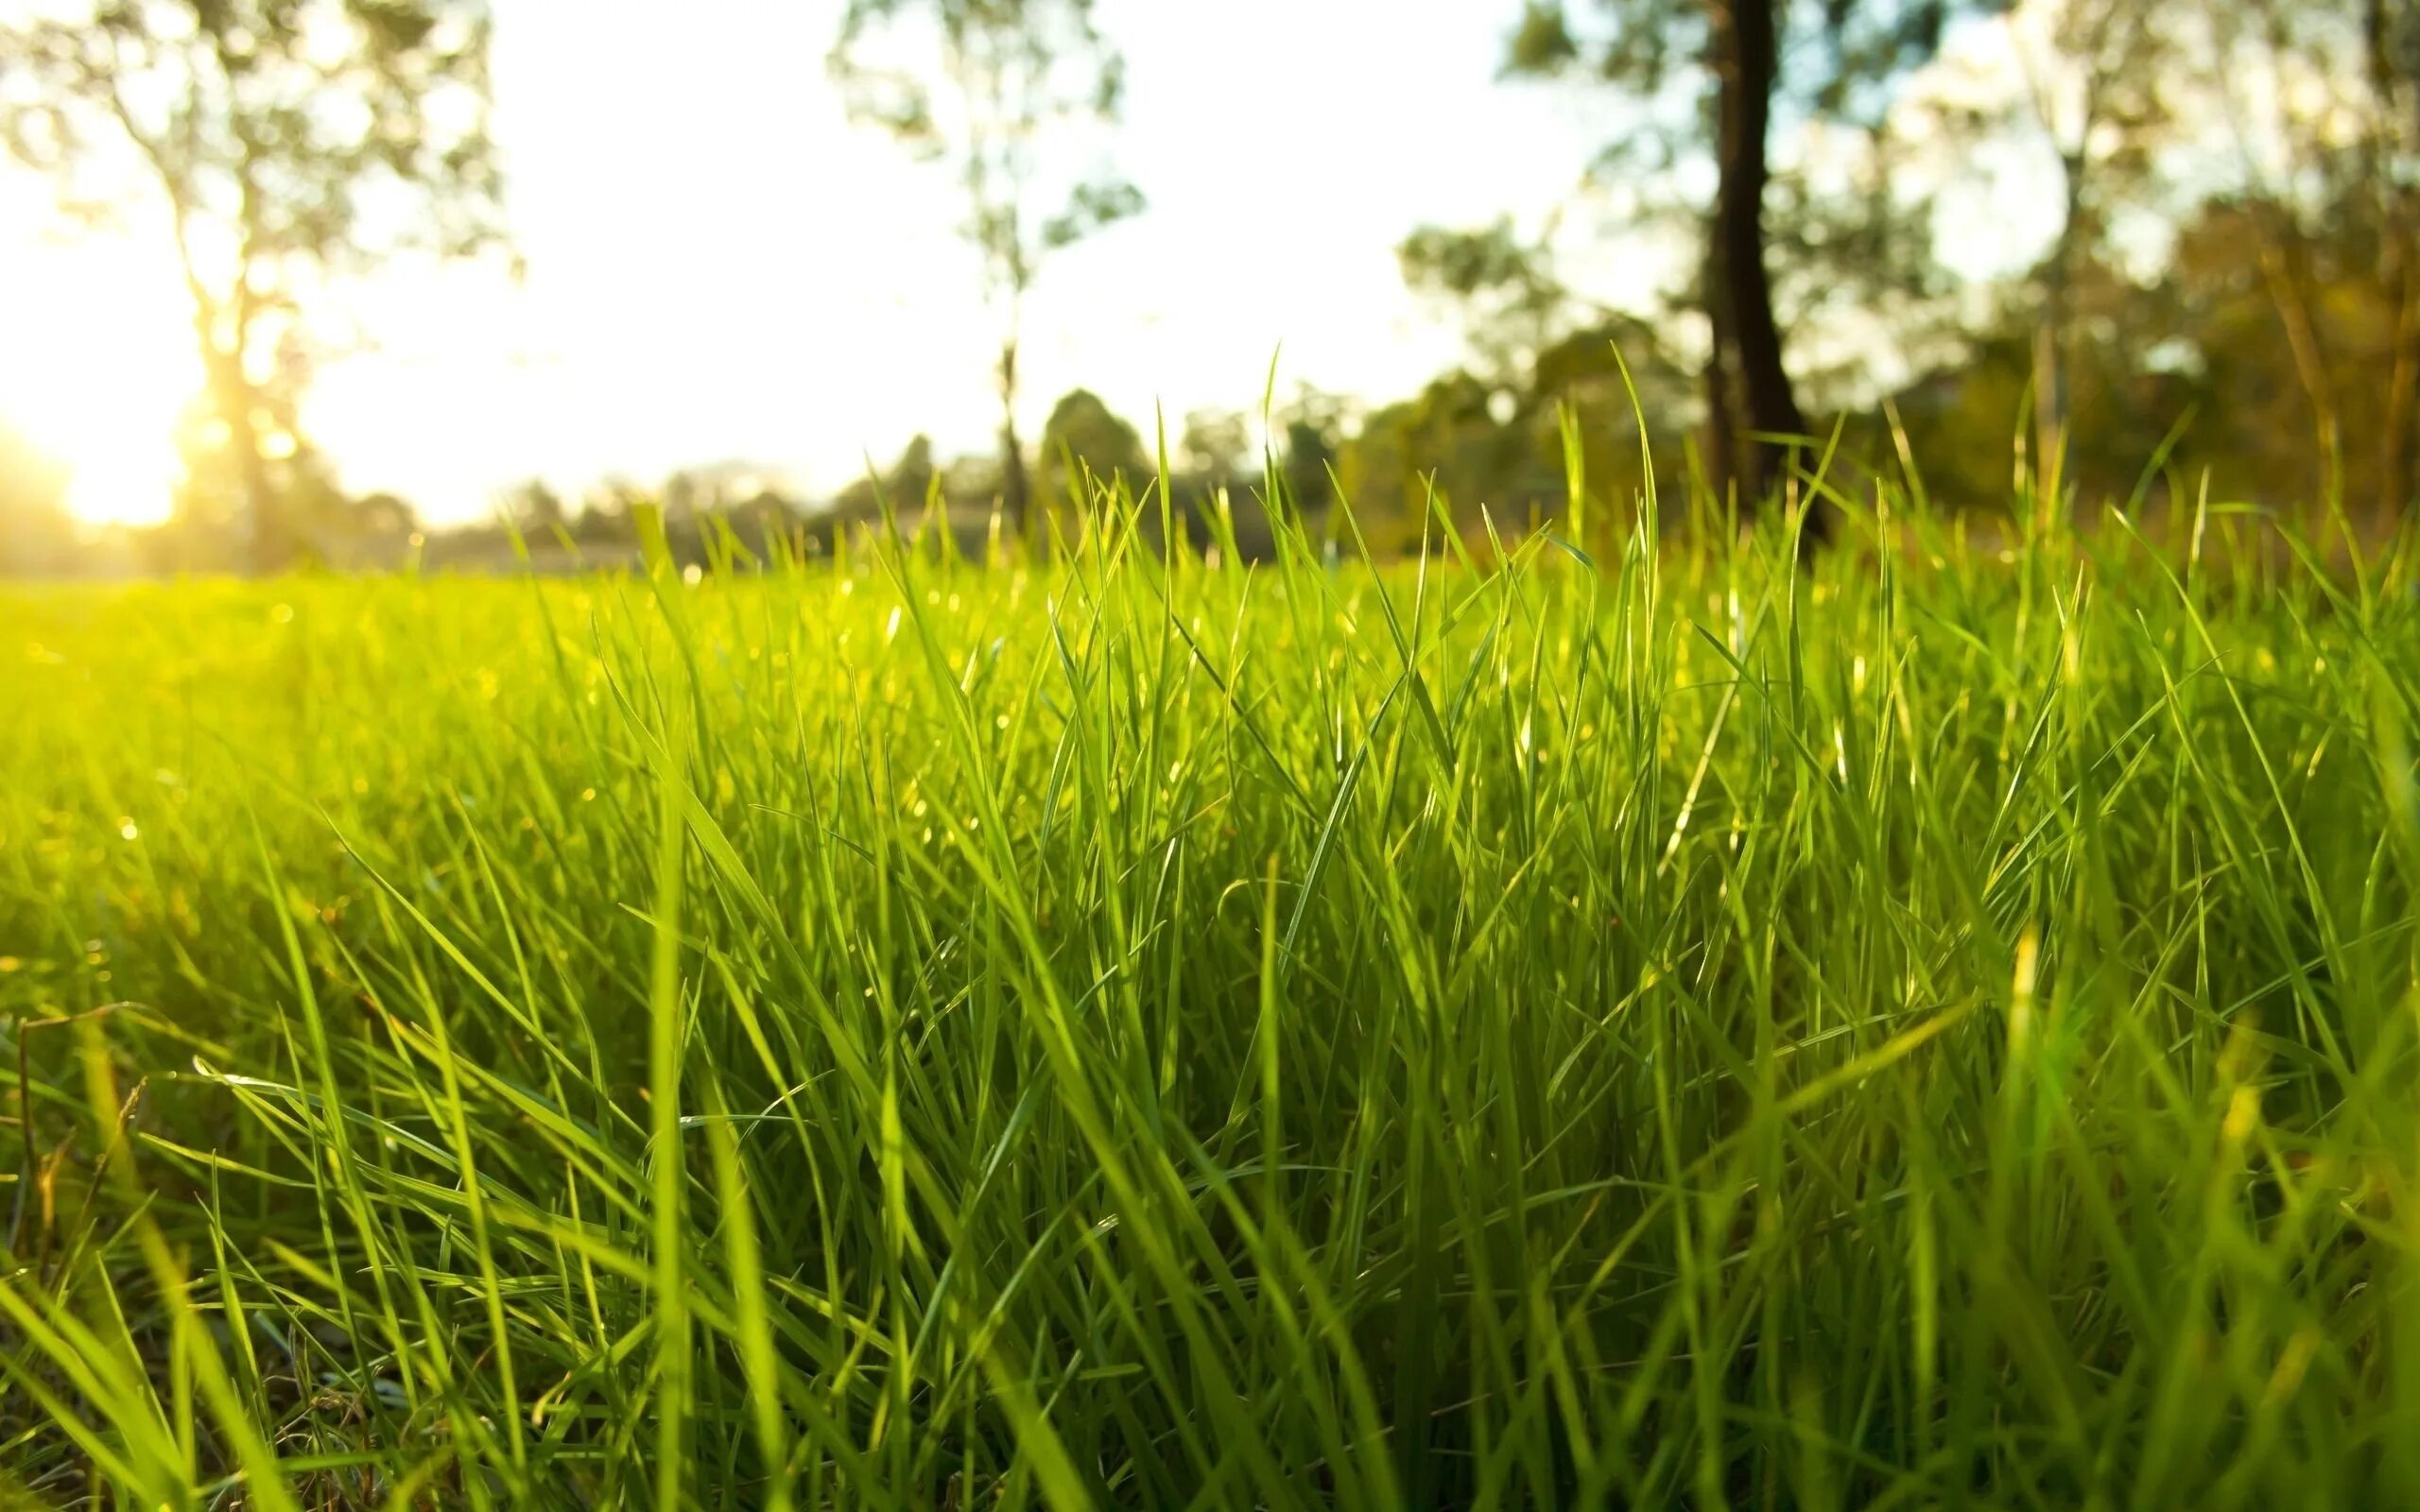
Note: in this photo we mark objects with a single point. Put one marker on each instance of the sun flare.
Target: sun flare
(97, 372)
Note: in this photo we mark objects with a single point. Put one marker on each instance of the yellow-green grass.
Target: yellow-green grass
(1669, 1024)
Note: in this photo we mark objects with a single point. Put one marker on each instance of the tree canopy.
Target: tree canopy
(282, 144)
(979, 87)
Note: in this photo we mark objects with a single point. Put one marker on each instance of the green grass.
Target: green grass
(1923, 1027)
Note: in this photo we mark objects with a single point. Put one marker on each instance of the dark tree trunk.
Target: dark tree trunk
(2055, 382)
(1722, 394)
(1016, 490)
(1747, 59)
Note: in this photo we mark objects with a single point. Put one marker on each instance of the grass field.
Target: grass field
(1673, 1026)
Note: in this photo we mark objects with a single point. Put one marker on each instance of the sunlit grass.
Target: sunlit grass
(1661, 1024)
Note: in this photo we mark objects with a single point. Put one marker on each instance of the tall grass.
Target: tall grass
(1663, 1024)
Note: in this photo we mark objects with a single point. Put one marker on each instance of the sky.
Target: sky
(719, 266)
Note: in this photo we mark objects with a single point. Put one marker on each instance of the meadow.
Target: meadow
(1654, 1020)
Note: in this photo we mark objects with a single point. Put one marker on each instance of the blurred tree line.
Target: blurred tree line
(2231, 263)
(286, 144)
(2224, 195)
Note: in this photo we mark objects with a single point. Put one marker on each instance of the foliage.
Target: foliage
(1084, 444)
(1216, 444)
(1568, 380)
(979, 86)
(281, 141)
(1706, 81)
(1503, 286)
(2205, 347)
(535, 508)
(904, 485)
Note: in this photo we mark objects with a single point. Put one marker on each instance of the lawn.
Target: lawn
(1669, 1024)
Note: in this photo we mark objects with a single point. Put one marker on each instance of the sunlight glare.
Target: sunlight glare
(100, 366)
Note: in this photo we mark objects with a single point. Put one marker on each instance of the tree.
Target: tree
(978, 85)
(1543, 348)
(2334, 86)
(1505, 290)
(2103, 90)
(1215, 443)
(1085, 444)
(1717, 68)
(1450, 437)
(287, 142)
(610, 509)
(2234, 231)
(2343, 304)
(534, 508)
(2093, 73)
(685, 494)
(911, 478)
(1497, 442)
(1312, 427)
(384, 514)
(906, 486)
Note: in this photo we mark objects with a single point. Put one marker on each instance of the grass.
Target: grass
(1929, 1026)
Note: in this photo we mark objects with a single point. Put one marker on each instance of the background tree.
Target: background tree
(1540, 346)
(2097, 77)
(2234, 236)
(1707, 76)
(1086, 444)
(535, 508)
(1450, 437)
(2295, 333)
(1502, 288)
(287, 141)
(1215, 444)
(911, 477)
(907, 485)
(1309, 430)
(978, 85)
(2322, 108)
(609, 507)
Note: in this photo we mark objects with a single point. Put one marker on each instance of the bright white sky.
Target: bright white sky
(721, 267)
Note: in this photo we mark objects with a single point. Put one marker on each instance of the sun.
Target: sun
(100, 359)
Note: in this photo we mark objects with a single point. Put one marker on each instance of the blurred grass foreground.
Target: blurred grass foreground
(1642, 1020)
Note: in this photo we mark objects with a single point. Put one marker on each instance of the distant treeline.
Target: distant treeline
(2210, 288)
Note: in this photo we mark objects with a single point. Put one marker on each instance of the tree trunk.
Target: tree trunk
(1016, 490)
(269, 544)
(259, 542)
(1722, 391)
(2054, 383)
(1746, 61)
(2054, 350)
